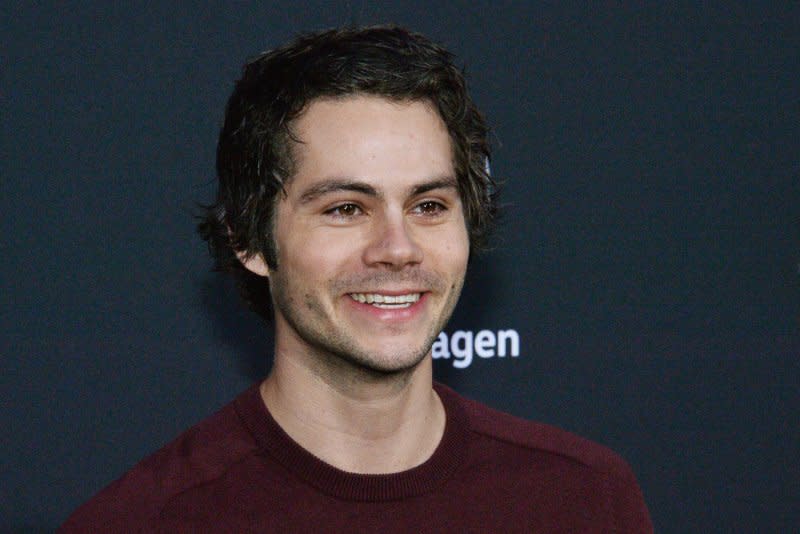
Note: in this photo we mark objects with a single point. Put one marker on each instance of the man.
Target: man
(354, 185)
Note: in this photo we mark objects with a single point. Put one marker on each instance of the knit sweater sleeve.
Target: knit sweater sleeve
(628, 510)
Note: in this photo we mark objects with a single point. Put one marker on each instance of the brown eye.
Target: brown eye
(345, 210)
(429, 207)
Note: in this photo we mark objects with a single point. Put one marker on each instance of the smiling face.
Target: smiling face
(371, 239)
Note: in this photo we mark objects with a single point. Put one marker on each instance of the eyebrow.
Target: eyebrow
(446, 182)
(334, 185)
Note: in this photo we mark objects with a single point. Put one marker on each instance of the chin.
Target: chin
(387, 363)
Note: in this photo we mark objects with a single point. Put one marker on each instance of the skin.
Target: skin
(373, 208)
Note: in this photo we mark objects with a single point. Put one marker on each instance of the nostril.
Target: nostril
(393, 245)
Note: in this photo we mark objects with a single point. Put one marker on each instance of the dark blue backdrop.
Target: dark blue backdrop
(648, 260)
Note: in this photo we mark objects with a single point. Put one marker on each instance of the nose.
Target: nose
(392, 245)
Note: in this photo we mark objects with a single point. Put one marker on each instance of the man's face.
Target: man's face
(371, 240)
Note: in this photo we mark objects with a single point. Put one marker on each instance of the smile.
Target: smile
(386, 301)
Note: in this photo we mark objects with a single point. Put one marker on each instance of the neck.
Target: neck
(356, 420)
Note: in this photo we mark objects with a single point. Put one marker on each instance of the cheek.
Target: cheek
(456, 253)
(458, 248)
(314, 257)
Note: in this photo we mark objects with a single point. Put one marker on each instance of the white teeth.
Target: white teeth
(386, 301)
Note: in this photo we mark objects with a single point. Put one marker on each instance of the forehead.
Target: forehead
(371, 138)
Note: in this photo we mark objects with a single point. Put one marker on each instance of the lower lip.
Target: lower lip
(389, 314)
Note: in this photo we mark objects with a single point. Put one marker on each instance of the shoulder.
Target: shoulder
(546, 459)
(199, 455)
(539, 438)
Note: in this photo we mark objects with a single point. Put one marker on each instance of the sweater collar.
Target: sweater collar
(330, 480)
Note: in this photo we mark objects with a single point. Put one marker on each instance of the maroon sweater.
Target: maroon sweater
(237, 471)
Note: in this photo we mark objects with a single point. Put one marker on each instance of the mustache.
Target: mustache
(416, 278)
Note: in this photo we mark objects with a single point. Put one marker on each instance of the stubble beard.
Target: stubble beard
(336, 352)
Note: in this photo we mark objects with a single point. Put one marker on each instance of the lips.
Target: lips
(384, 301)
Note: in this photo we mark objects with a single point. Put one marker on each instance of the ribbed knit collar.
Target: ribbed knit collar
(335, 482)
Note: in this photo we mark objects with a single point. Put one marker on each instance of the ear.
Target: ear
(255, 263)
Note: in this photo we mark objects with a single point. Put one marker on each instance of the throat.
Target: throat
(365, 436)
